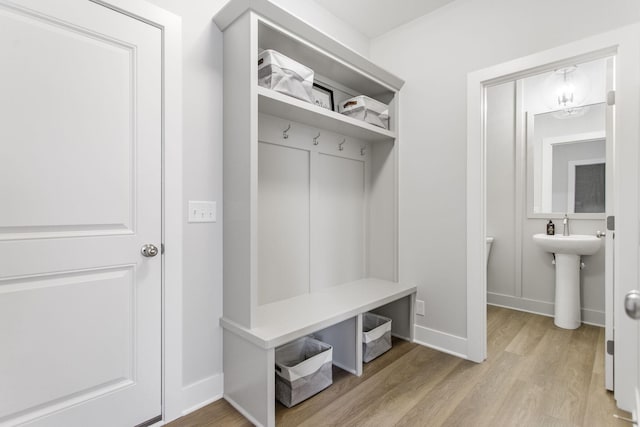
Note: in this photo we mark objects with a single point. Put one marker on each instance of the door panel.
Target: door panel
(283, 222)
(341, 239)
(87, 158)
(80, 180)
(82, 362)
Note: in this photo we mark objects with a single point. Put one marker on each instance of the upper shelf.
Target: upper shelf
(309, 46)
(289, 108)
(323, 63)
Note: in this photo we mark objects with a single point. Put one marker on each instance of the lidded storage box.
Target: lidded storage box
(366, 109)
(283, 74)
(303, 368)
(376, 336)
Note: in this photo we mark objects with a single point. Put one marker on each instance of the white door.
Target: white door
(627, 222)
(632, 310)
(80, 187)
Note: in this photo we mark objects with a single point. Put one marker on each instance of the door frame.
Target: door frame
(172, 216)
(624, 43)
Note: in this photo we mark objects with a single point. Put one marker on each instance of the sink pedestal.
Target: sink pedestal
(567, 303)
(568, 250)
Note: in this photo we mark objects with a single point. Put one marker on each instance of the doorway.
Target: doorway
(622, 44)
(534, 145)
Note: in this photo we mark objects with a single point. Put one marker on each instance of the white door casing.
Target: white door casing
(80, 184)
(609, 247)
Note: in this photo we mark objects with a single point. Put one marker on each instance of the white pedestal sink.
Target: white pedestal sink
(568, 250)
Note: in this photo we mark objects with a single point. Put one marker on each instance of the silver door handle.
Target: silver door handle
(600, 234)
(149, 250)
(632, 304)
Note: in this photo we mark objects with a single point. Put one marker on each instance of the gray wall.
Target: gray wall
(502, 277)
(434, 54)
(202, 180)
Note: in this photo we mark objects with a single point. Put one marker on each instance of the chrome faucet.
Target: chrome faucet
(565, 225)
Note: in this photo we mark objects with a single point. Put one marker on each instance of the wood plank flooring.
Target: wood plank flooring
(535, 375)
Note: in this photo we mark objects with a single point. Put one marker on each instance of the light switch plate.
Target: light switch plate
(420, 307)
(202, 211)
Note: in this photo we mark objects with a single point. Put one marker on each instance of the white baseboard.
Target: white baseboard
(441, 341)
(544, 308)
(202, 393)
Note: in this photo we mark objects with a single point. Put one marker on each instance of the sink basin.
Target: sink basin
(575, 244)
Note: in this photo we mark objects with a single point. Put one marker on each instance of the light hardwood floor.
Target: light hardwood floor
(535, 375)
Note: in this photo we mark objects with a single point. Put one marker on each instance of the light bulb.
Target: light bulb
(567, 87)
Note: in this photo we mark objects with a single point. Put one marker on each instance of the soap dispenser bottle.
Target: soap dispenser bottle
(551, 228)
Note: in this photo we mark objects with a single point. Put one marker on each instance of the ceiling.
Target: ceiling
(374, 18)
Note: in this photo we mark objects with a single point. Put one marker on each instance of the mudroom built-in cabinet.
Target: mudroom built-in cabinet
(310, 205)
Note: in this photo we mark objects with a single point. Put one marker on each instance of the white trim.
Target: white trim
(520, 186)
(441, 341)
(201, 393)
(595, 47)
(171, 26)
(542, 308)
(476, 217)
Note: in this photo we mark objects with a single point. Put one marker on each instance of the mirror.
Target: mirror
(566, 153)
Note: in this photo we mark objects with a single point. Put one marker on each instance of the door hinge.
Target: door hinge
(610, 347)
(611, 222)
(611, 97)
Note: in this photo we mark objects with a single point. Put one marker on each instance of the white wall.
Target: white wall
(202, 145)
(434, 55)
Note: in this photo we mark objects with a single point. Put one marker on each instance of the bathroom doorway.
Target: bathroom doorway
(623, 46)
(548, 154)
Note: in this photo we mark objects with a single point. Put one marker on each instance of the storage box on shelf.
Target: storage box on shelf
(376, 336)
(310, 201)
(366, 109)
(303, 368)
(284, 75)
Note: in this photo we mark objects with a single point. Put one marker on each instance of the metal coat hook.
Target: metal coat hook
(284, 132)
(363, 149)
(315, 140)
(340, 146)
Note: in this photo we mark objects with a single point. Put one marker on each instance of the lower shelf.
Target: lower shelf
(333, 315)
(283, 321)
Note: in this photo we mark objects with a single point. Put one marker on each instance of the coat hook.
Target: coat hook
(284, 132)
(362, 150)
(340, 146)
(315, 140)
